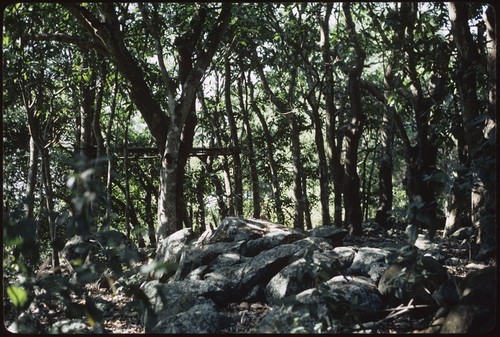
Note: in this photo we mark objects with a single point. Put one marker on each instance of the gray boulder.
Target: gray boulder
(333, 234)
(416, 281)
(195, 256)
(163, 300)
(202, 317)
(302, 274)
(238, 276)
(169, 252)
(364, 258)
(338, 299)
(345, 257)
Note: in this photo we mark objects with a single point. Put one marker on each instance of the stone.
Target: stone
(345, 257)
(417, 281)
(172, 298)
(70, 326)
(201, 318)
(364, 259)
(302, 274)
(333, 234)
(193, 257)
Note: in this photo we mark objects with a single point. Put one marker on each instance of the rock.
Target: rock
(358, 294)
(333, 234)
(447, 294)
(234, 229)
(377, 269)
(26, 323)
(464, 233)
(172, 298)
(340, 298)
(345, 257)
(302, 274)
(202, 317)
(92, 254)
(240, 275)
(364, 259)
(415, 281)
(169, 249)
(70, 326)
(169, 253)
(473, 309)
(195, 256)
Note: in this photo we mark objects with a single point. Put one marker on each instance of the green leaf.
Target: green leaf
(18, 295)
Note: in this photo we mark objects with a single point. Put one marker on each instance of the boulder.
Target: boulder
(333, 234)
(364, 258)
(195, 256)
(238, 275)
(302, 274)
(91, 255)
(162, 300)
(201, 318)
(340, 298)
(476, 310)
(345, 257)
(416, 281)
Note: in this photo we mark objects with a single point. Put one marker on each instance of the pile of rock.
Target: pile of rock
(310, 280)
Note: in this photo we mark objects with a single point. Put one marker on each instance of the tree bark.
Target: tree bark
(31, 180)
(237, 169)
(280, 217)
(334, 147)
(477, 127)
(166, 131)
(252, 162)
(320, 145)
(351, 184)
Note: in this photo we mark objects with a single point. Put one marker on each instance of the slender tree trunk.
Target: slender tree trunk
(333, 147)
(200, 196)
(351, 184)
(298, 171)
(237, 169)
(32, 179)
(322, 161)
(127, 175)
(109, 174)
(387, 142)
(49, 199)
(252, 162)
(480, 146)
(270, 157)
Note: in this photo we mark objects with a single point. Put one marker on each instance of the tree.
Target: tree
(479, 127)
(351, 184)
(173, 129)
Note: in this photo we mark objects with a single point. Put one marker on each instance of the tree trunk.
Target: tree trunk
(31, 180)
(49, 198)
(270, 157)
(109, 173)
(200, 196)
(298, 171)
(252, 162)
(387, 142)
(477, 134)
(333, 148)
(322, 161)
(237, 169)
(351, 184)
(166, 131)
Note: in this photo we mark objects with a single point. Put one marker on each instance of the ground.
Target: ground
(121, 316)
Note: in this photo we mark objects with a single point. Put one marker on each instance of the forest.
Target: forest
(152, 119)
